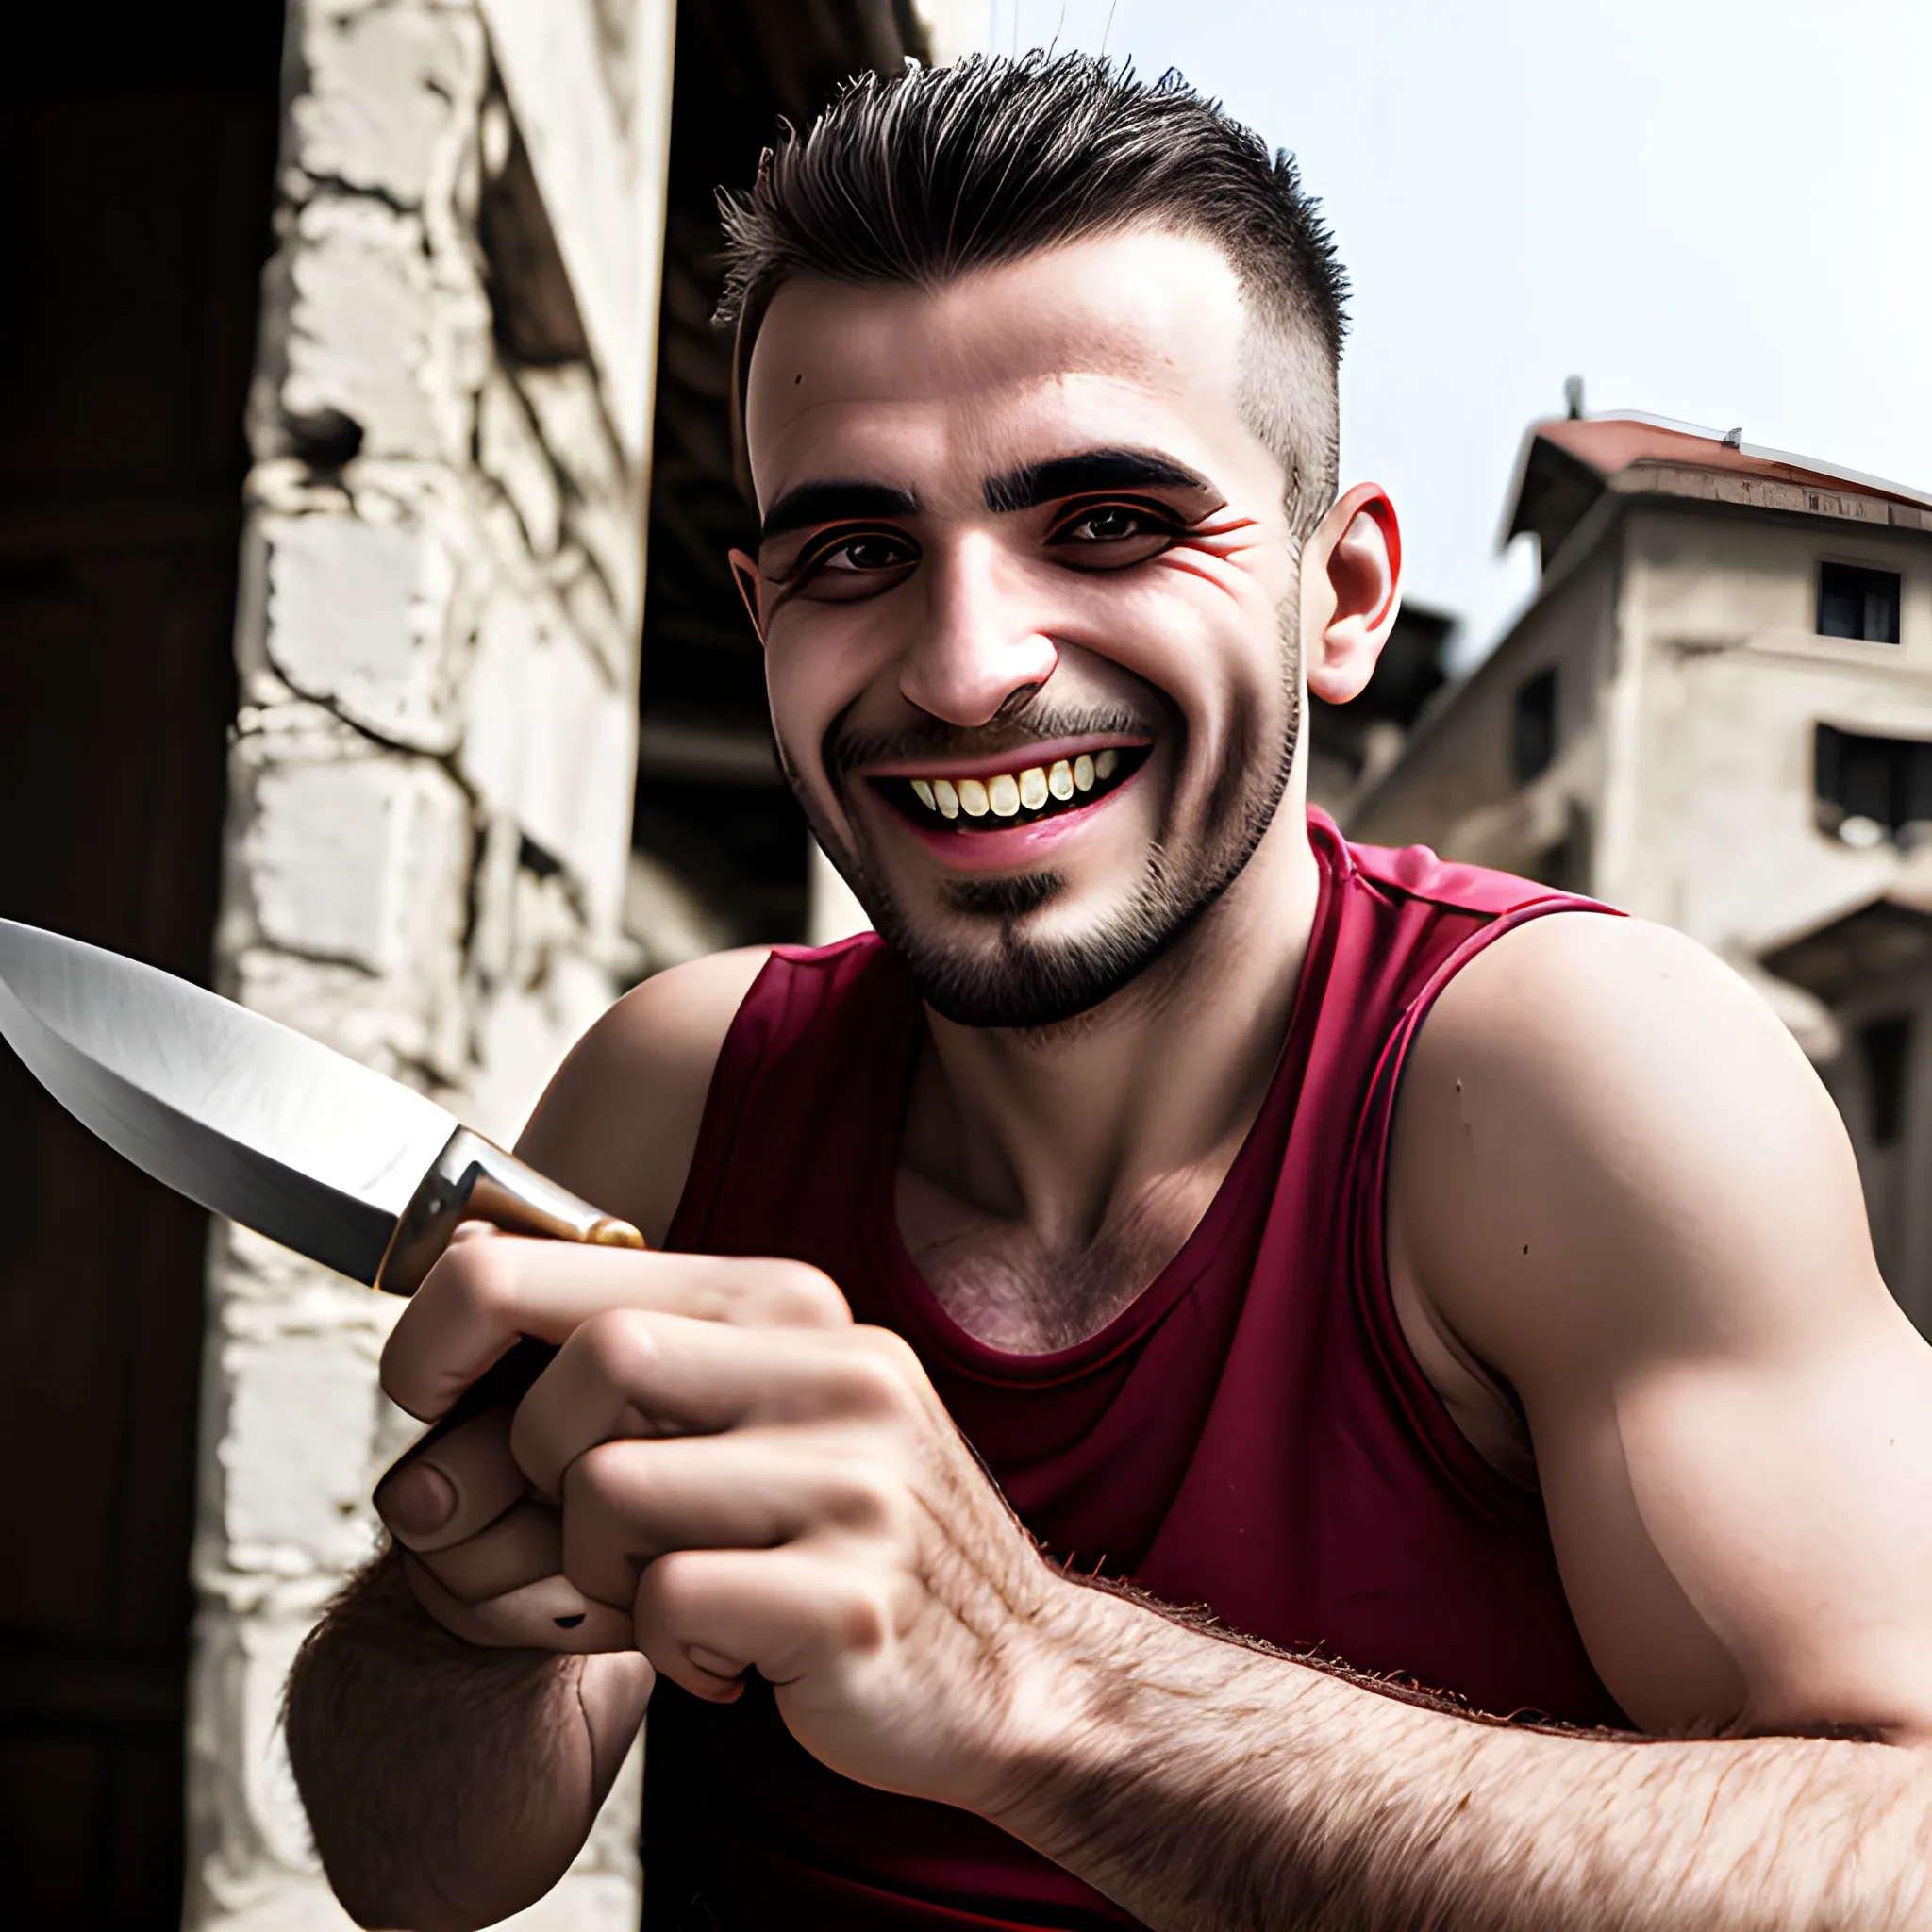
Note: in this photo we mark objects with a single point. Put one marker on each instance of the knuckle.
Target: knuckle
(594, 1481)
(870, 1384)
(618, 1342)
(480, 1277)
(807, 1297)
(867, 1499)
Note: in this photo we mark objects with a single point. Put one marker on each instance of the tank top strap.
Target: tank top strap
(821, 1036)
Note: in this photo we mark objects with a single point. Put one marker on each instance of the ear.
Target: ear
(745, 573)
(1350, 591)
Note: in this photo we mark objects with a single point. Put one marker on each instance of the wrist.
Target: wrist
(1104, 1683)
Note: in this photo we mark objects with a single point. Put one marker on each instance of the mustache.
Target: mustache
(1018, 732)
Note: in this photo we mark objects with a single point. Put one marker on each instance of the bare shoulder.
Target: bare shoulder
(1602, 1128)
(619, 1122)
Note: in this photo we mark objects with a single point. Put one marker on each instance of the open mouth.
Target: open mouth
(997, 801)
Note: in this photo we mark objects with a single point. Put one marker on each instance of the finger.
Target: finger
(482, 1295)
(633, 1373)
(520, 1547)
(549, 1614)
(445, 1491)
(703, 1617)
(627, 1503)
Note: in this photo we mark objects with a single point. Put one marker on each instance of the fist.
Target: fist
(721, 1469)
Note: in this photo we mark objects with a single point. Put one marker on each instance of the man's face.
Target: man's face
(1028, 592)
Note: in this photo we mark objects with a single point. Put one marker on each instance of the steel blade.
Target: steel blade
(238, 1112)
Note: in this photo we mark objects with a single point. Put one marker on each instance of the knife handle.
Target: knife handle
(474, 1180)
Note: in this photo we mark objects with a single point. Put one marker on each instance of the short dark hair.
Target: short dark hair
(936, 171)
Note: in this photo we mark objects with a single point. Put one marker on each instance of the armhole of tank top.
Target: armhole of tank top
(1456, 1457)
(739, 1056)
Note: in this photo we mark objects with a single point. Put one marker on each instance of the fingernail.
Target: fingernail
(417, 1500)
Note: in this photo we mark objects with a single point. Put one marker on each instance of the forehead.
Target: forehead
(1132, 339)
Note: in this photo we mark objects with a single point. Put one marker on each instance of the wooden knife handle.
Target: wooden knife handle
(474, 1180)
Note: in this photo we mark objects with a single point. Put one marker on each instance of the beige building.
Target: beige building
(1716, 711)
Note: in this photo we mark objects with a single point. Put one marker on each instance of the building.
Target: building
(1716, 711)
(327, 462)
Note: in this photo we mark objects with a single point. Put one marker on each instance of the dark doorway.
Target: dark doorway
(711, 806)
(137, 162)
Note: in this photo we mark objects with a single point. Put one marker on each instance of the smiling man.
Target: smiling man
(1152, 1360)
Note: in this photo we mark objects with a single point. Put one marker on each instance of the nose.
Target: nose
(980, 643)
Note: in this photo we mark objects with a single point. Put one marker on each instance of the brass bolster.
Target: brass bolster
(474, 1180)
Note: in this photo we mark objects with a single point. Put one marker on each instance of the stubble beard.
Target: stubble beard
(1018, 979)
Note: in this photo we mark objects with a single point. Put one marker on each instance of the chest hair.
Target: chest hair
(1011, 1287)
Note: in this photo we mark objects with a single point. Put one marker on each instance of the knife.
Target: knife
(272, 1129)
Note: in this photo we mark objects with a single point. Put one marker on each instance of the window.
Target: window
(1533, 726)
(1886, 1048)
(1857, 603)
(1869, 788)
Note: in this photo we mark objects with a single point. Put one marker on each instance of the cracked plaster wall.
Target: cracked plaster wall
(432, 763)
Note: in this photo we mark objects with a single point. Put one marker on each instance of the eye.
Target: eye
(841, 565)
(1112, 522)
(868, 551)
(1112, 535)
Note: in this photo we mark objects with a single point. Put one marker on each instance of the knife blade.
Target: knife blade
(257, 1121)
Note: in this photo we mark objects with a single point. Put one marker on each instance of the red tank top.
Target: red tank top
(1251, 1432)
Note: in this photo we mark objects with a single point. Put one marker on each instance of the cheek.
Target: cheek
(1204, 634)
(815, 671)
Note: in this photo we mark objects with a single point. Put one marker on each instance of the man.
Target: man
(1390, 1298)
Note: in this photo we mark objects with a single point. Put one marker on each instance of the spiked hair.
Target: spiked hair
(937, 172)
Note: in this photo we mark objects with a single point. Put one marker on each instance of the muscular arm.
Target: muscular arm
(448, 1783)
(1619, 1187)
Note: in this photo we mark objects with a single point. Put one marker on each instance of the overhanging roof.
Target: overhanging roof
(1887, 936)
(1568, 463)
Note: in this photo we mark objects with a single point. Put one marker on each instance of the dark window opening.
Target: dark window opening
(1566, 865)
(1886, 1048)
(1533, 727)
(1857, 602)
(1872, 787)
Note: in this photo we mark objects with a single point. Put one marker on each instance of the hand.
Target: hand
(743, 1480)
(481, 1550)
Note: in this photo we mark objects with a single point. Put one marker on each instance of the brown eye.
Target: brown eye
(1112, 536)
(872, 551)
(1111, 524)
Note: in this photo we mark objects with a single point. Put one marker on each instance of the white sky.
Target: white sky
(1715, 211)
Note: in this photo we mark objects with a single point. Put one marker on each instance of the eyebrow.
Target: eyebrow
(1033, 484)
(828, 501)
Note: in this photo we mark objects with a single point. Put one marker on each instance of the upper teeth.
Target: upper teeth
(1005, 793)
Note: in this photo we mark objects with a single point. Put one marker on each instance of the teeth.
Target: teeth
(1006, 794)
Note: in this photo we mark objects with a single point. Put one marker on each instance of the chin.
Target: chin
(1010, 953)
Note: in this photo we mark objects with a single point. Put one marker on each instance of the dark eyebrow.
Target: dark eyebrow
(830, 501)
(1033, 484)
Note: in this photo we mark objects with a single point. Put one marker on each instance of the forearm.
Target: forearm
(447, 1785)
(1204, 1784)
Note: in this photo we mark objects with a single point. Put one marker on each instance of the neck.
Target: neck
(1066, 1165)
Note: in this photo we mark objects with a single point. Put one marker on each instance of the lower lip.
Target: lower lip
(1018, 846)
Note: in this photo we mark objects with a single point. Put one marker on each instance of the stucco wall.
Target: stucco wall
(1454, 787)
(432, 763)
(1720, 610)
